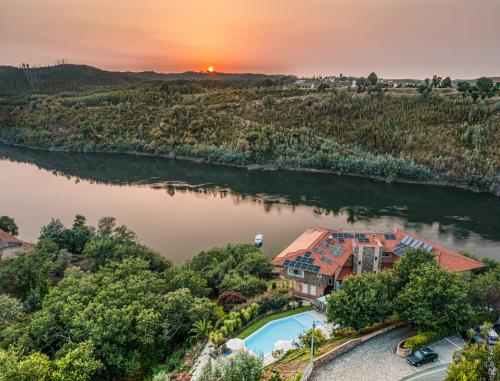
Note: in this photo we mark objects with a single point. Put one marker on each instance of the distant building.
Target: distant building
(9, 245)
(319, 260)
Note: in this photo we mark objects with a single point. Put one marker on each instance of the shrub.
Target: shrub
(420, 340)
(228, 299)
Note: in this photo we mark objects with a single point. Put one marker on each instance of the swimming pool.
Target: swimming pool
(261, 342)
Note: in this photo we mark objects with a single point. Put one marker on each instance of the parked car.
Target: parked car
(422, 356)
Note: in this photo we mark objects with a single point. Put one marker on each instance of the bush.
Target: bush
(420, 340)
(228, 299)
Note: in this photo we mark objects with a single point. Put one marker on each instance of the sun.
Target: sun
(211, 69)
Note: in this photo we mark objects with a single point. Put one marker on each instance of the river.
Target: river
(181, 207)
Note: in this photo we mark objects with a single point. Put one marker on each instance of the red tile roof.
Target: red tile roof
(345, 272)
(316, 242)
(8, 238)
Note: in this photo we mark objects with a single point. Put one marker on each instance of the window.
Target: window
(376, 258)
(330, 281)
(386, 255)
(296, 272)
(313, 290)
(304, 288)
(359, 263)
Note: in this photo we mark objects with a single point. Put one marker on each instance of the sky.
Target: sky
(394, 38)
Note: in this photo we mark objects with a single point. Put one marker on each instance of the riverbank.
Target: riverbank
(271, 167)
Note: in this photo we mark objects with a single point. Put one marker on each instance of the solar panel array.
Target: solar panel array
(326, 260)
(336, 250)
(410, 242)
(302, 263)
(317, 250)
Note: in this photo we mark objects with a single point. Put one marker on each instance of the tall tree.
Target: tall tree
(7, 224)
(434, 300)
(363, 301)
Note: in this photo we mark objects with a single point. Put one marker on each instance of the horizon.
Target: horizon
(415, 39)
(215, 72)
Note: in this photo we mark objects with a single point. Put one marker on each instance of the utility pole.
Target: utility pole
(312, 342)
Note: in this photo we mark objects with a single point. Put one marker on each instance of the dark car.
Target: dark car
(422, 356)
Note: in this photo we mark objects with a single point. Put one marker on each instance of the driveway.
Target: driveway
(376, 360)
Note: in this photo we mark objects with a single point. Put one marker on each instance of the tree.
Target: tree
(463, 86)
(434, 300)
(25, 276)
(469, 363)
(446, 82)
(229, 299)
(143, 320)
(8, 225)
(186, 278)
(372, 79)
(435, 80)
(484, 291)
(247, 285)
(242, 367)
(413, 260)
(484, 84)
(306, 338)
(77, 363)
(201, 329)
(11, 311)
(363, 301)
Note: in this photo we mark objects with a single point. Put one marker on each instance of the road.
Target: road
(376, 360)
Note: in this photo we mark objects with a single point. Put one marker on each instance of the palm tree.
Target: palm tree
(201, 329)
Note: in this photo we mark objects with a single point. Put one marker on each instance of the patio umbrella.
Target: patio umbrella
(235, 344)
(283, 345)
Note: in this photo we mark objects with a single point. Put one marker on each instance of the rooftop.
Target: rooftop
(325, 251)
(6, 238)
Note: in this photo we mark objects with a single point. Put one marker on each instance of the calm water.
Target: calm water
(180, 208)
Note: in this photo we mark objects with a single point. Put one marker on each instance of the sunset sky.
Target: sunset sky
(395, 38)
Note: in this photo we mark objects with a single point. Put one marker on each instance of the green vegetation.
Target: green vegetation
(436, 136)
(91, 303)
(476, 361)
(7, 224)
(242, 367)
(266, 319)
(420, 340)
(432, 300)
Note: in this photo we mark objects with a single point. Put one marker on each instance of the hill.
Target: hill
(437, 136)
(68, 77)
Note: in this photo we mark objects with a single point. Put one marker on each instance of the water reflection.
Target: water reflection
(461, 218)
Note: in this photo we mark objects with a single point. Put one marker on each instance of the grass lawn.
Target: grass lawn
(258, 324)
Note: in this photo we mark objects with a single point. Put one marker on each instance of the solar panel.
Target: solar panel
(318, 250)
(419, 243)
(414, 243)
(310, 267)
(316, 268)
(292, 263)
(307, 254)
(429, 247)
(287, 261)
(329, 261)
(405, 239)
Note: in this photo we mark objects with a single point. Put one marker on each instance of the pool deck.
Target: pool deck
(326, 329)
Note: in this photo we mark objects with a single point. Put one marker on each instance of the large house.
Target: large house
(9, 245)
(320, 259)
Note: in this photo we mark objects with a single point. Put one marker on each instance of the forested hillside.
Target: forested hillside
(438, 135)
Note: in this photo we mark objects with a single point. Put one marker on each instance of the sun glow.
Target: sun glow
(211, 69)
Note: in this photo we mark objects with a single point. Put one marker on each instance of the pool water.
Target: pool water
(261, 342)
